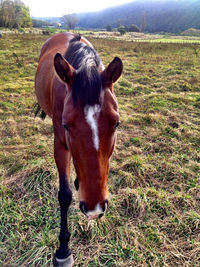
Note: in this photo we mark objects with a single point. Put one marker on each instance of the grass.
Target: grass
(171, 40)
(141, 37)
(154, 182)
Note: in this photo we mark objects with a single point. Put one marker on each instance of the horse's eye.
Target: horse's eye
(117, 124)
(66, 127)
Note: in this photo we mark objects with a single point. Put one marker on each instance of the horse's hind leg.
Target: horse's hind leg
(39, 112)
(63, 257)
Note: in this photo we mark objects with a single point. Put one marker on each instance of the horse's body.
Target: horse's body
(75, 90)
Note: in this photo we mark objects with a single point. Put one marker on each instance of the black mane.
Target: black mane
(86, 88)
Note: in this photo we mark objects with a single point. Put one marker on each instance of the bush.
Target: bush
(108, 28)
(45, 32)
(132, 28)
(21, 30)
(122, 30)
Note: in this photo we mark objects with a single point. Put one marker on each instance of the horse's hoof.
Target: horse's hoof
(68, 262)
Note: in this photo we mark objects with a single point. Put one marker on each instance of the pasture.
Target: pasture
(154, 213)
(143, 37)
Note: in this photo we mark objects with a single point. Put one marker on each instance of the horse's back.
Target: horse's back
(45, 75)
(58, 41)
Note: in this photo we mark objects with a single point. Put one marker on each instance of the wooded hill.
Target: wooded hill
(160, 15)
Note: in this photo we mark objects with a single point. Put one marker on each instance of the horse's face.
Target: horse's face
(90, 134)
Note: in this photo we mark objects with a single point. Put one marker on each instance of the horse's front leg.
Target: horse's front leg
(63, 257)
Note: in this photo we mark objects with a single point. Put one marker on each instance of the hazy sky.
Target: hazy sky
(45, 8)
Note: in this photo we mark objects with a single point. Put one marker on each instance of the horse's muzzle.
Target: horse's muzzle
(98, 211)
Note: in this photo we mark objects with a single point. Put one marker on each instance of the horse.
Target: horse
(74, 88)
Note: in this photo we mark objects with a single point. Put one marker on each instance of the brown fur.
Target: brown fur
(54, 97)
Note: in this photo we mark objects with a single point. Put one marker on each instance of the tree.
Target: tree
(143, 22)
(22, 15)
(14, 14)
(108, 28)
(118, 23)
(70, 20)
(122, 30)
(132, 28)
(6, 13)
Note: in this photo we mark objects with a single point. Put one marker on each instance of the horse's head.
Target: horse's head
(90, 132)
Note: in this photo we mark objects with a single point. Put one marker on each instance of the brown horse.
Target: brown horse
(76, 91)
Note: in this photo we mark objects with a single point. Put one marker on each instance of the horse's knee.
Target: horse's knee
(65, 197)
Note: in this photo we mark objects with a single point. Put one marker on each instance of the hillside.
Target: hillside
(159, 15)
(167, 15)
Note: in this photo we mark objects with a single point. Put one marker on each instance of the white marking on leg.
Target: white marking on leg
(68, 262)
(91, 116)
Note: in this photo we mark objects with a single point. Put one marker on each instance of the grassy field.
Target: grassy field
(144, 37)
(154, 213)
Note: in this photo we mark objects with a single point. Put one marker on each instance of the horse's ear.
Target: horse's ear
(113, 71)
(64, 70)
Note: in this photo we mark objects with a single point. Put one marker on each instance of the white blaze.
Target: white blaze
(98, 210)
(91, 116)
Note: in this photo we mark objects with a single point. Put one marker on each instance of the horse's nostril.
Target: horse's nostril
(105, 205)
(76, 184)
(101, 215)
(83, 207)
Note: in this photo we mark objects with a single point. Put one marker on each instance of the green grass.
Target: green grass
(153, 217)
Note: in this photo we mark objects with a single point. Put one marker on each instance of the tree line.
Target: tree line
(14, 14)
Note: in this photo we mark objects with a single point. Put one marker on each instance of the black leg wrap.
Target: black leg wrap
(65, 197)
(63, 252)
(64, 237)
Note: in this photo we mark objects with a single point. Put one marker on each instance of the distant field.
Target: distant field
(171, 40)
(141, 37)
(154, 213)
(129, 36)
